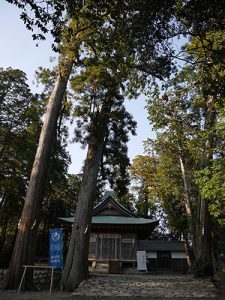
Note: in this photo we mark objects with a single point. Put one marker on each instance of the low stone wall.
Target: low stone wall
(41, 278)
(3, 278)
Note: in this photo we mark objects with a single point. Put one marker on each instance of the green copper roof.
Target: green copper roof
(109, 194)
(115, 220)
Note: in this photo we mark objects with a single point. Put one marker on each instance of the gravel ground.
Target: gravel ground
(126, 287)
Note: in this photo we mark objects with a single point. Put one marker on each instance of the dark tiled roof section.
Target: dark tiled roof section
(116, 220)
(124, 211)
(154, 245)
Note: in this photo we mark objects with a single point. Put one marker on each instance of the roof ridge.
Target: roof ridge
(117, 204)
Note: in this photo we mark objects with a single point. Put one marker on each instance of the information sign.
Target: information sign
(141, 261)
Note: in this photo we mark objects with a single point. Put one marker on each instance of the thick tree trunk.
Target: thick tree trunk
(188, 251)
(24, 249)
(204, 239)
(206, 234)
(76, 268)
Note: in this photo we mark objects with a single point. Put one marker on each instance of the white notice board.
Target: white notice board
(141, 261)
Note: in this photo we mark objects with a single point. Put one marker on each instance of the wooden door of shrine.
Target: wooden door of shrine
(108, 246)
(164, 259)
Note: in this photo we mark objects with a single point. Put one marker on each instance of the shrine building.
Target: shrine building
(116, 236)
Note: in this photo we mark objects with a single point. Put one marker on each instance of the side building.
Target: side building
(116, 236)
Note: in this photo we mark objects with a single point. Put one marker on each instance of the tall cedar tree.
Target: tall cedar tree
(111, 68)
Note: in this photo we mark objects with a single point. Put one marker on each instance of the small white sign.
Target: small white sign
(151, 254)
(141, 261)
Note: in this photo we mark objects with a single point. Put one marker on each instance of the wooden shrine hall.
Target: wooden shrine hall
(115, 235)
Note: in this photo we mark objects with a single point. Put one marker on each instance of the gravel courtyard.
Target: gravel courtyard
(139, 286)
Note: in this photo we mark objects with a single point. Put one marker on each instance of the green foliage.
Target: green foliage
(201, 16)
(19, 128)
(212, 188)
(94, 87)
(144, 181)
(20, 123)
(46, 78)
(128, 201)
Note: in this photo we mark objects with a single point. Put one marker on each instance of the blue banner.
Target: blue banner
(56, 248)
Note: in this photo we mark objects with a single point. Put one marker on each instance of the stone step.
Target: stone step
(100, 267)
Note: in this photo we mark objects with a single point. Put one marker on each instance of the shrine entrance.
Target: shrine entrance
(108, 246)
(164, 259)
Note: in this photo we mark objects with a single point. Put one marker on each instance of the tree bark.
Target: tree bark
(186, 188)
(188, 251)
(204, 239)
(24, 249)
(76, 268)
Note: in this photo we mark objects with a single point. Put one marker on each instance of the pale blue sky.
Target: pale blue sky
(18, 50)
